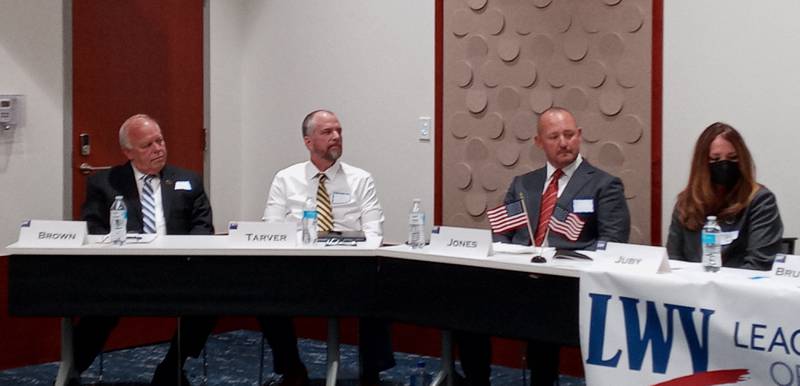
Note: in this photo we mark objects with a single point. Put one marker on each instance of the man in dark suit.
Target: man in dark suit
(571, 205)
(174, 203)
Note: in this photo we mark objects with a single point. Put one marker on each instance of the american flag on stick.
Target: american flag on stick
(566, 223)
(507, 217)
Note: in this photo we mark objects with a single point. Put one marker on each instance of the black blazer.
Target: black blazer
(185, 211)
(609, 221)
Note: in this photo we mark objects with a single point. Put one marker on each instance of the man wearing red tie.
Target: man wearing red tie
(571, 205)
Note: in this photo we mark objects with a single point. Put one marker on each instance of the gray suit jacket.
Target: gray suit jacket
(609, 221)
(760, 230)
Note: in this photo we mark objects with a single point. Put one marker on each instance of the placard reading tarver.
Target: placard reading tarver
(259, 234)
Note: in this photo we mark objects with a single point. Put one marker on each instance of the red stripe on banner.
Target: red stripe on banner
(709, 378)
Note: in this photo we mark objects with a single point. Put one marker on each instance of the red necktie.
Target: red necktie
(546, 207)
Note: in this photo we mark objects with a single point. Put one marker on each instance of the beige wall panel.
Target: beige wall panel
(506, 61)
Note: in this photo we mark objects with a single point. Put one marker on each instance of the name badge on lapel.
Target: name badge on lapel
(728, 237)
(183, 185)
(340, 198)
(583, 205)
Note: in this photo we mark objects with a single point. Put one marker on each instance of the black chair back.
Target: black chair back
(787, 245)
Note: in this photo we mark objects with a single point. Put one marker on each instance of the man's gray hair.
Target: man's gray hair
(307, 127)
(123, 130)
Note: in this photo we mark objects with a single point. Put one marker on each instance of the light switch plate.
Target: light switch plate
(425, 128)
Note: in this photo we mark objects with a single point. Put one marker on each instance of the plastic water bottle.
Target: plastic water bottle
(419, 376)
(310, 222)
(416, 225)
(712, 256)
(118, 221)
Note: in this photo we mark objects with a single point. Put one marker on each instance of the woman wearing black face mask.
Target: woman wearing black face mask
(722, 183)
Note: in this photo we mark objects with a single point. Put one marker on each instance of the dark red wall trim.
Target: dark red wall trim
(438, 115)
(656, 100)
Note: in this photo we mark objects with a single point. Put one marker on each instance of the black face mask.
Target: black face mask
(725, 173)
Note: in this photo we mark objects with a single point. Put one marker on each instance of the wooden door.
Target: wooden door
(136, 56)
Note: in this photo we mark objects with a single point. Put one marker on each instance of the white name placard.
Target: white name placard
(466, 242)
(52, 233)
(786, 269)
(259, 234)
(633, 258)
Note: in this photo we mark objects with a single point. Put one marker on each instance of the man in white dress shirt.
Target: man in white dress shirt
(354, 207)
(352, 190)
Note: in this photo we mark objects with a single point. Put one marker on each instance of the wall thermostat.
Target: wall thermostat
(9, 111)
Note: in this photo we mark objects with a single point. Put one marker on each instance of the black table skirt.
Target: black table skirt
(503, 303)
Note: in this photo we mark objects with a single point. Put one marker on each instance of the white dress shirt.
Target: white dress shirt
(352, 192)
(155, 183)
(568, 171)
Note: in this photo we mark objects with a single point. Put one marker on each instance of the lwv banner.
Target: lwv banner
(688, 328)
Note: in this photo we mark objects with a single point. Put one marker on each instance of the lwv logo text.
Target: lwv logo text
(653, 335)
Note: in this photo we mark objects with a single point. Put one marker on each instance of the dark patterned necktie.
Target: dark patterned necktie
(324, 212)
(549, 198)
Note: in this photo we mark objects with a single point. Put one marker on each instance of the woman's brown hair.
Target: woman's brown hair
(701, 197)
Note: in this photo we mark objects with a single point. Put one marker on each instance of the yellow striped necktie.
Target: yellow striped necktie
(324, 212)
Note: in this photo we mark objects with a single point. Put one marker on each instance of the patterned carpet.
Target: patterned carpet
(233, 359)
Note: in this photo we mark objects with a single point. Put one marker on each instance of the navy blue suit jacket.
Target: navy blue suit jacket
(185, 211)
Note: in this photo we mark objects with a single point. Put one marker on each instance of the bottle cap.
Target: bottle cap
(713, 218)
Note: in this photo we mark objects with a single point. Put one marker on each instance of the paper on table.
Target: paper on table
(133, 238)
(521, 249)
(140, 238)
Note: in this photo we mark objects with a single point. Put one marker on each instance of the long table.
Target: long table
(736, 325)
(504, 295)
